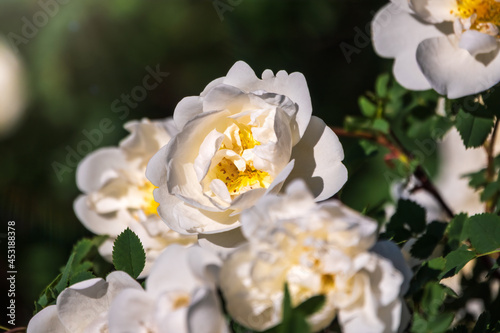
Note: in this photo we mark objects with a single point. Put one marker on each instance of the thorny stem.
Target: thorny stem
(490, 169)
(397, 149)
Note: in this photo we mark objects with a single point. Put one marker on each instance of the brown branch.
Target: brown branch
(397, 149)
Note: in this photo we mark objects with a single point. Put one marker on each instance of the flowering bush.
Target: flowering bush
(244, 170)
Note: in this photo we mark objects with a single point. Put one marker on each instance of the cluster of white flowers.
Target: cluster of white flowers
(217, 169)
(449, 45)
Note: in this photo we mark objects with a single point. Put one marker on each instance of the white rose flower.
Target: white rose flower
(13, 89)
(118, 195)
(180, 296)
(316, 249)
(241, 139)
(448, 45)
(83, 307)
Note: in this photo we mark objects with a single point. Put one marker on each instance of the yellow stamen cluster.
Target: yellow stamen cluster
(487, 11)
(239, 181)
(150, 206)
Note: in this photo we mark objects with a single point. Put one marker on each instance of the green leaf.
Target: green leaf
(490, 190)
(440, 322)
(477, 179)
(425, 245)
(409, 218)
(81, 250)
(128, 253)
(368, 109)
(473, 129)
(63, 282)
(80, 276)
(456, 232)
(381, 125)
(369, 147)
(456, 260)
(311, 305)
(483, 231)
(381, 85)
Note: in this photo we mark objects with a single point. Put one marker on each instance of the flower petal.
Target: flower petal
(98, 167)
(293, 85)
(163, 278)
(222, 243)
(187, 109)
(318, 160)
(476, 42)
(45, 321)
(435, 11)
(102, 224)
(396, 34)
(204, 314)
(131, 311)
(452, 71)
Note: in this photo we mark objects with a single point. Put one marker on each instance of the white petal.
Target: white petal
(435, 11)
(452, 71)
(293, 86)
(222, 243)
(476, 42)
(186, 110)
(318, 160)
(396, 34)
(98, 167)
(45, 321)
(204, 314)
(180, 154)
(208, 148)
(224, 97)
(171, 272)
(102, 224)
(131, 311)
(156, 171)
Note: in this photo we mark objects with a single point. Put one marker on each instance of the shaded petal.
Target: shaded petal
(132, 311)
(396, 34)
(99, 167)
(318, 160)
(476, 42)
(102, 224)
(163, 278)
(435, 11)
(204, 314)
(222, 243)
(156, 171)
(45, 321)
(452, 71)
(187, 109)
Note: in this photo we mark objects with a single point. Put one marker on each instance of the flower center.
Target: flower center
(149, 206)
(487, 11)
(239, 174)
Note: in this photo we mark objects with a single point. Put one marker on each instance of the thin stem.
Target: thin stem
(490, 169)
(397, 149)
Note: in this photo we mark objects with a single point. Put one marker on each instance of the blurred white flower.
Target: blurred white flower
(448, 45)
(241, 139)
(316, 249)
(83, 307)
(118, 195)
(180, 296)
(12, 89)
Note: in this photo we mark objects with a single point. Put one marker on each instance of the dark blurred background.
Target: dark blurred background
(82, 57)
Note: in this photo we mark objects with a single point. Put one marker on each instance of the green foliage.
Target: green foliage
(483, 230)
(82, 265)
(408, 220)
(425, 245)
(432, 320)
(456, 260)
(455, 231)
(473, 129)
(128, 253)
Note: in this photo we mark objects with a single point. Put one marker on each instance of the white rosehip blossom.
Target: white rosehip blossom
(82, 307)
(317, 249)
(180, 296)
(118, 194)
(449, 45)
(241, 139)
(13, 89)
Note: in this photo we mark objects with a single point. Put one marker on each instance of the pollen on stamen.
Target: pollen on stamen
(487, 11)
